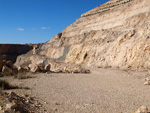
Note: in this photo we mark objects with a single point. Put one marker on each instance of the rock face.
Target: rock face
(6, 69)
(115, 37)
(0, 64)
(38, 63)
(9, 52)
(115, 34)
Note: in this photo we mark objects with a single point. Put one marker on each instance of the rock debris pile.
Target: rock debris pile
(13, 103)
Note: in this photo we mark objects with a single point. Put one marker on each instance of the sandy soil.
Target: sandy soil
(102, 91)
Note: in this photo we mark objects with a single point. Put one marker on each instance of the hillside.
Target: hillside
(115, 34)
(52, 77)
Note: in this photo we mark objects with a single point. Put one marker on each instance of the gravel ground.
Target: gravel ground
(101, 91)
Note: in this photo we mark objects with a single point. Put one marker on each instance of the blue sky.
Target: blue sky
(35, 21)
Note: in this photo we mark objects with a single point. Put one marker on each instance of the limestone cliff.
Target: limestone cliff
(115, 34)
(9, 52)
(115, 37)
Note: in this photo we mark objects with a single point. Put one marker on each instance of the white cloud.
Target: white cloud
(44, 28)
(20, 29)
(33, 29)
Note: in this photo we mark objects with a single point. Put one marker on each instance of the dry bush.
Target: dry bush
(2, 74)
(4, 85)
(22, 76)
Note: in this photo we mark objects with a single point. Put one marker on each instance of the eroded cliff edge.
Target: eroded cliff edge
(115, 34)
(9, 52)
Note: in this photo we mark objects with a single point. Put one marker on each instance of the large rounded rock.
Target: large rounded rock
(21, 70)
(47, 67)
(147, 83)
(34, 68)
(142, 109)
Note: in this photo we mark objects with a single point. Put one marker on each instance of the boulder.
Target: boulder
(41, 66)
(39, 63)
(147, 79)
(10, 106)
(147, 83)
(21, 70)
(6, 69)
(47, 67)
(34, 68)
(14, 103)
(142, 109)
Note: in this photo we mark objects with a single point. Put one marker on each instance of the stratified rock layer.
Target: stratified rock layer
(115, 38)
(115, 34)
(9, 52)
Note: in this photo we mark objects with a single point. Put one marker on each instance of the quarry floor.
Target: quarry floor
(101, 91)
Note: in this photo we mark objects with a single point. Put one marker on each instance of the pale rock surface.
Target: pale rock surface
(147, 79)
(117, 38)
(115, 34)
(8, 106)
(142, 109)
(147, 83)
(38, 63)
(34, 68)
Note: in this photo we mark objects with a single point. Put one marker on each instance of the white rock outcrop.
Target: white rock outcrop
(115, 34)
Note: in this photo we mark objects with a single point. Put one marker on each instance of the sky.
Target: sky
(36, 21)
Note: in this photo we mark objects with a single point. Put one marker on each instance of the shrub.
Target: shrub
(22, 76)
(4, 85)
(2, 74)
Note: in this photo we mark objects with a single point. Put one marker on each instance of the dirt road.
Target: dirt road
(102, 91)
